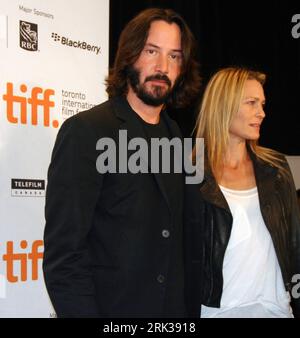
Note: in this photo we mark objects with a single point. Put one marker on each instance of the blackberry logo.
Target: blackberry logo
(28, 36)
(75, 43)
(55, 36)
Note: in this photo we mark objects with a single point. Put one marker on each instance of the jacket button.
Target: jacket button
(166, 233)
(160, 279)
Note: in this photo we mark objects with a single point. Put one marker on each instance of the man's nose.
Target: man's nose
(162, 64)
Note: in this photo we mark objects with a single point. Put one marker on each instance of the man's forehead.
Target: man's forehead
(164, 34)
(159, 24)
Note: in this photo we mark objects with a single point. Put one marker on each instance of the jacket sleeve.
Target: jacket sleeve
(72, 193)
(193, 249)
(294, 219)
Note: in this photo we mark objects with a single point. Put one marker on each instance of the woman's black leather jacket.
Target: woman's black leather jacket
(208, 223)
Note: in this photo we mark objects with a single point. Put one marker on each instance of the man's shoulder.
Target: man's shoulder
(99, 118)
(99, 113)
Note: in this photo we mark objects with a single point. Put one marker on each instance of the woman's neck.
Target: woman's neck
(237, 171)
(236, 154)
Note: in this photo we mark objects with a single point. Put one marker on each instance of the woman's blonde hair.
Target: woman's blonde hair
(221, 102)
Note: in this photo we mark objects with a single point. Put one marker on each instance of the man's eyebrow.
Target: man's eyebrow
(149, 44)
(177, 50)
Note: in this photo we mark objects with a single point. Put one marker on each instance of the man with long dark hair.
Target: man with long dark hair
(113, 240)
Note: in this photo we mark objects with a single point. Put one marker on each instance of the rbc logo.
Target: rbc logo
(29, 36)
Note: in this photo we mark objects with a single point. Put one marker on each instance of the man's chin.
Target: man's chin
(152, 100)
(159, 92)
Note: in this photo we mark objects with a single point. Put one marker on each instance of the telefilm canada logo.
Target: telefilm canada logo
(75, 43)
(28, 36)
(27, 187)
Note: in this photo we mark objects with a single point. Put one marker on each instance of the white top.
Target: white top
(253, 284)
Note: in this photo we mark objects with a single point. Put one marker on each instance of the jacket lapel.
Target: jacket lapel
(210, 190)
(135, 129)
(264, 175)
(174, 132)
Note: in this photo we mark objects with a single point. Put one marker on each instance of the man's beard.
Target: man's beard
(158, 96)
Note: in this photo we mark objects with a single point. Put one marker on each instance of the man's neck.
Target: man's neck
(148, 113)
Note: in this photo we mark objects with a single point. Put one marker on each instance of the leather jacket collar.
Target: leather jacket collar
(211, 192)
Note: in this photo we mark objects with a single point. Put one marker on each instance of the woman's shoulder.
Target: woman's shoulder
(271, 157)
(283, 167)
(273, 152)
(270, 160)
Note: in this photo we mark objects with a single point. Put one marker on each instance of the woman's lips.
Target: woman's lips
(255, 125)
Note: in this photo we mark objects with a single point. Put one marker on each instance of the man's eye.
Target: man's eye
(175, 56)
(151, 51)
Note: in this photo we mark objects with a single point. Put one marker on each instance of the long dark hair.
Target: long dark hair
(131, 44)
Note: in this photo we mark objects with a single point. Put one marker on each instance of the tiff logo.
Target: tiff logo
(29, 36)
(11, 257)
(39, 98)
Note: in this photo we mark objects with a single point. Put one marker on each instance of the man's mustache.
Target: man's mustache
(160, 77)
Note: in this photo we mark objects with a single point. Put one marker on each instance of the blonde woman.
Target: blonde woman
(243, 242)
